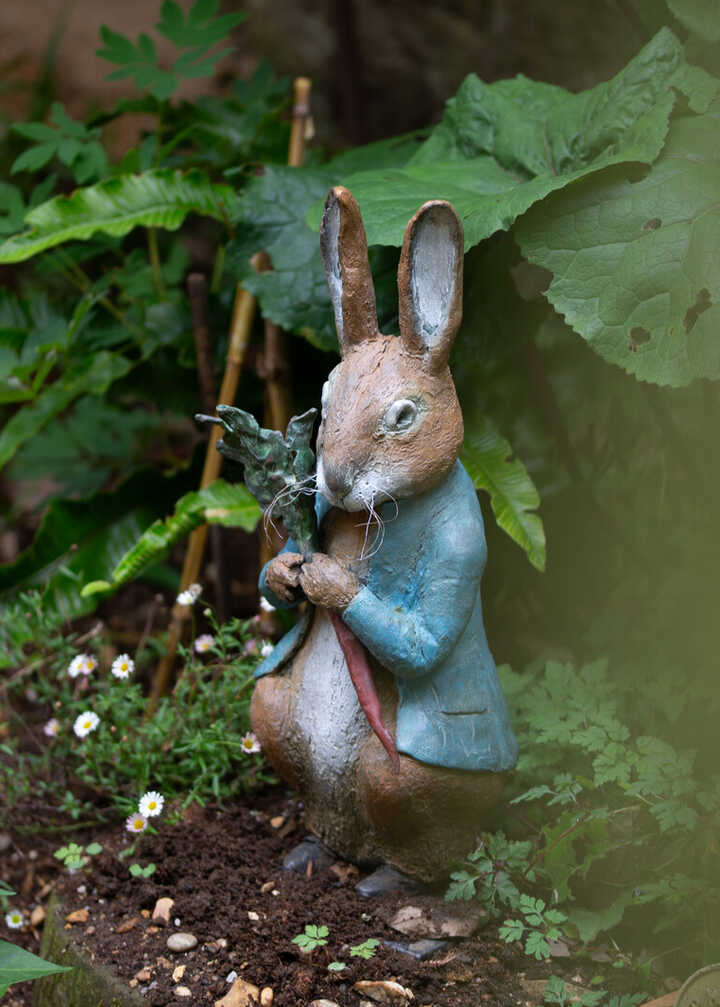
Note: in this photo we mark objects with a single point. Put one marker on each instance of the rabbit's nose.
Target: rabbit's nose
(337, 480)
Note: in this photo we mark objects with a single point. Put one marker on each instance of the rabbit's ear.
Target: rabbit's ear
(430, 282)
(344, 251)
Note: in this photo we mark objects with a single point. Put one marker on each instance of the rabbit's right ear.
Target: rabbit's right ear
(430, 276)
(344, 251)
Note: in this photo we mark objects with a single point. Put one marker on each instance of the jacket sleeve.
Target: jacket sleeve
(413, 641)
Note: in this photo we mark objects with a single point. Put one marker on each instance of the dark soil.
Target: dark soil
(220, 867)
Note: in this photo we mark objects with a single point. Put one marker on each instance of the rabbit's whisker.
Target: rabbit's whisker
(291, 491)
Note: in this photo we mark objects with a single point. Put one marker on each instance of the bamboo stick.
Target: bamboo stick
(240, 330)
(276, 363)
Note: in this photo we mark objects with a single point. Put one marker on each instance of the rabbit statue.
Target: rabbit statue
(403, 552)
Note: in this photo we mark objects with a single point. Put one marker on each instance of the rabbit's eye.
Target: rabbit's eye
(401, 415)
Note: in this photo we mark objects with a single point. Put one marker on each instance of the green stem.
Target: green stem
(155, 263)
(79, 278)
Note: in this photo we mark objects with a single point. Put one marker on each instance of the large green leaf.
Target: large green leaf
(636, 266)
(18, 965)
(486, 456)
(503, 147)
(701, 17)
(92, 376)
(219, 503)
(160, 198)
(294, 293)
(80, 540)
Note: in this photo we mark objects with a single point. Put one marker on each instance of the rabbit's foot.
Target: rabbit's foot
(310, 851)
(386, 879)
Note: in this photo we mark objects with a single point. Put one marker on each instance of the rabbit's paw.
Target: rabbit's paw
(282, 575)
(326, 582)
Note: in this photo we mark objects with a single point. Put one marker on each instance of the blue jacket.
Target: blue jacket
(420, 615)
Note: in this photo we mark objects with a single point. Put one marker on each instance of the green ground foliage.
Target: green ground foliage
(587, 366)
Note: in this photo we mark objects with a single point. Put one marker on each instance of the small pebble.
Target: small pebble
(161, 912)
(267, 887)
(81, 889)
(145, 913)
(266, 996)
(178, 973)
(252, 915)
(143, 975)
(182, 991)
(89, 931)
(37, 916)
(181, 942)
(231, 976)
(277, 821)
(176, 921)
(79, 916)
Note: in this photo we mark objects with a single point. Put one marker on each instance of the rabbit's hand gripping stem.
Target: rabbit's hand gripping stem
(328, 583)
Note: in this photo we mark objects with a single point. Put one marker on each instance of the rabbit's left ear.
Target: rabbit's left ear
(430, 282)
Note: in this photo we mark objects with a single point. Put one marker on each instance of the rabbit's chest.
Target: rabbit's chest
(327, 711)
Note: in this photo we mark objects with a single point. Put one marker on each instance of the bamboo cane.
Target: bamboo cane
(240, 329)
(276, 364)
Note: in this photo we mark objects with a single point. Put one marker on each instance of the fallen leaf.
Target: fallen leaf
(127, 925)
(240, 994)
(384, 991)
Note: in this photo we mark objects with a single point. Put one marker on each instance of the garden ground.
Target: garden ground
(223, 871)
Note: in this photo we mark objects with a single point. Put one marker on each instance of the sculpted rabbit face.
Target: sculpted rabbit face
(391, 423)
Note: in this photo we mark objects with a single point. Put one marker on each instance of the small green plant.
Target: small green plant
(138, 871)
(368, 948)
(194, 35)
(311, 938)
(557, 993)
(538, 927)
(73, 143)
(74, 857)
(490, 873)
(336, 966)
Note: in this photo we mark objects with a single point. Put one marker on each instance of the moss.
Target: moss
(88, 985)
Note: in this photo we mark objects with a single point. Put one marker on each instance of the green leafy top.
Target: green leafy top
(194, 35)
(278, 471)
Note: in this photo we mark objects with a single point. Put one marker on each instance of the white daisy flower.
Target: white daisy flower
(85, 723)
(136, 822)
(123, 666)
(204, 642)
(82, 664)
(151, 804)
(14, 919)
(265, 605)
(249, 743)
(52, 728)
(266, 649)
(190, 595)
